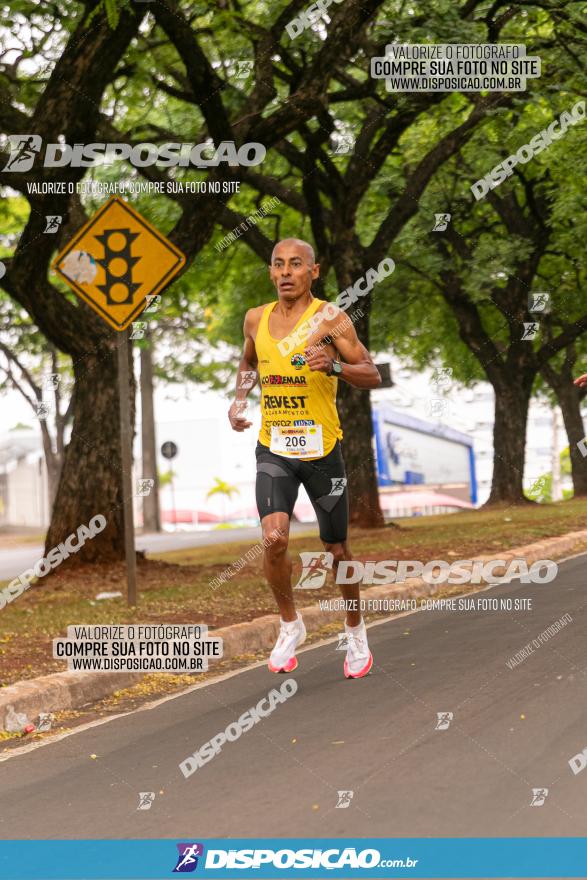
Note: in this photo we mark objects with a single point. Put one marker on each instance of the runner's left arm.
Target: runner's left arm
(358, 368)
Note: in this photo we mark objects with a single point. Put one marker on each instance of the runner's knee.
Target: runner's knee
(276, 545)
(338, 551)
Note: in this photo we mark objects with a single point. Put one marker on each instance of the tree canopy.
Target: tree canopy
(359, 171)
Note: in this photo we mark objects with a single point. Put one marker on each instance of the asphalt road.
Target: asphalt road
(13, 561)
(513, 730)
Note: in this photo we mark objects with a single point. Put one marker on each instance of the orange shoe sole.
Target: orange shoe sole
(365, 671)
(289, 666)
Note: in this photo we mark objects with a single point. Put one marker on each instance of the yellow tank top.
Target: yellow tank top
(299, 418)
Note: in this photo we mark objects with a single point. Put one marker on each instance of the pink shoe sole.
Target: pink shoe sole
(289, 666)
(364, 671)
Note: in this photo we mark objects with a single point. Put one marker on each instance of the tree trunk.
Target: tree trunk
(151, 516)
(354, 404)
(569, 399)
(512, 399)
(354, 407)
(53, 466)
(91, 476)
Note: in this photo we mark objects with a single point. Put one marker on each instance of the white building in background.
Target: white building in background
(24, 496)
(471, 412)
(431, 440)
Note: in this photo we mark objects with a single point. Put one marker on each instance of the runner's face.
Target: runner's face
(292, 271)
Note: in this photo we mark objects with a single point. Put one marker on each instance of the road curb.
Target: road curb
(72, 690)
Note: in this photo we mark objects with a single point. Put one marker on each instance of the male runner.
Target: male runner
(300, 435)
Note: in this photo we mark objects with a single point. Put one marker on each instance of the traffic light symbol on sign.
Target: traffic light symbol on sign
(118, 262)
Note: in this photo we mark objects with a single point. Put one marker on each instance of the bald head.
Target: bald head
(293, 268)
(299, 244)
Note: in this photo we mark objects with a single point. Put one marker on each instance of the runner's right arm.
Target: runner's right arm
(246, 377)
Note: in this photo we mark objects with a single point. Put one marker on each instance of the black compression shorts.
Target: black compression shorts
(324, 479)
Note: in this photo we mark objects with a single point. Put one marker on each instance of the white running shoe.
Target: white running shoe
(292, 634)
(358, 660)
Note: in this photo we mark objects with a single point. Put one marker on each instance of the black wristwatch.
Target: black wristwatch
(336, 368)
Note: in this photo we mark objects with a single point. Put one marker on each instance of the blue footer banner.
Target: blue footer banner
(533, 857)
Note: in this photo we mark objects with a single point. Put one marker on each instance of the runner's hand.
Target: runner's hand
(319, 360)
(581, 381)
(237, 422)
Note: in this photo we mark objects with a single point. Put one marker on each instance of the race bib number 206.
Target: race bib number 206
(299, 442)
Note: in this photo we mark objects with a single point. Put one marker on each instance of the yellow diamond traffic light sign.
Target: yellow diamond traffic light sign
(116, 261)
